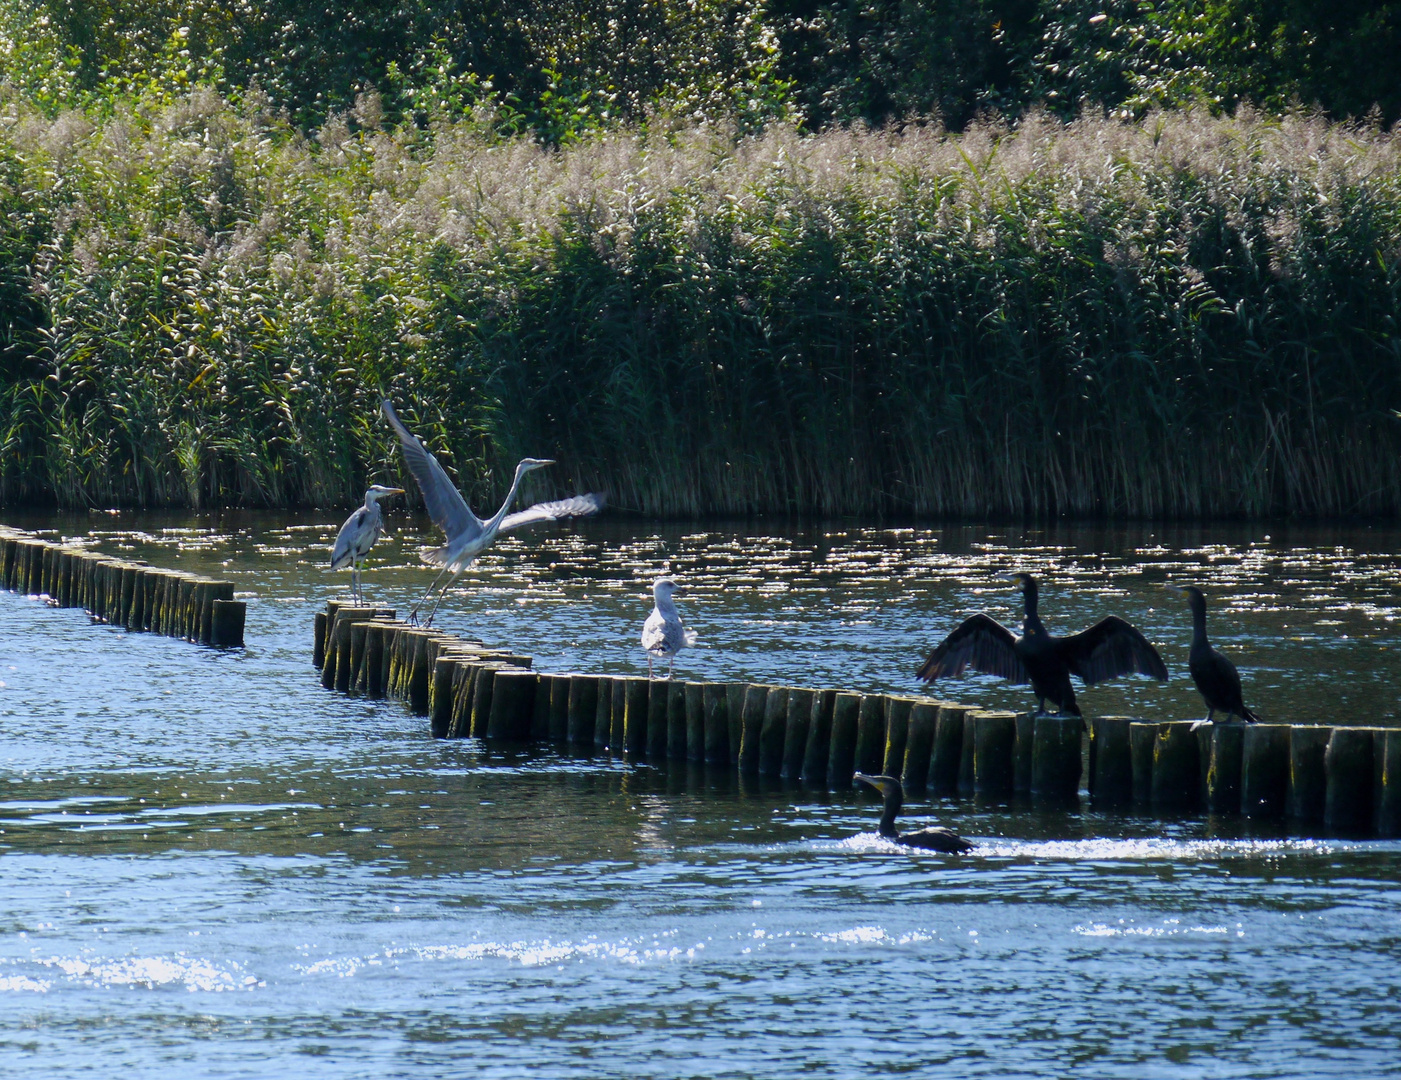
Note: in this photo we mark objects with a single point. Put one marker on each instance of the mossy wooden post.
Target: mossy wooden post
(583, 709)
(1143, 738)
(756, 698)
(1308, 777)
(1223, 777)
(1177, 766)
(919, 745)
(603, 714)
(359, 634)
(734, 709)
(1111, 760)
(1023, 751)
(617, 738)
(796, 725)
(841, 759)
(512, 704)
(1264, 773)
(559, 708)
(870, 734)
(483, 694)
(994, 740)
(440, 695)
(328, 663)
(65, 577)
(420, 670)
(1055, 757)
(1347, 763)
(1386, 787)
(658, 693)
(771, 736)
(818, 752)
(150, 590)
(715, 701)
(965, 762)
(695, 721)
(637, 714)
(460, 710)
(540, 711)
(676, 720)
(318, 641)
(897, 734)
(136, 611)
(46, 554)
(946, 755)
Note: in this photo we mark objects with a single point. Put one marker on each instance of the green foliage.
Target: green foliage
(1181, 316)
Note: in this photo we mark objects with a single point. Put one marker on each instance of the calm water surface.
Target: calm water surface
(211, 867)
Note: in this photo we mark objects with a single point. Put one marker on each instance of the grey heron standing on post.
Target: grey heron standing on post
(359, 534)
(663, 634)
(468, 535)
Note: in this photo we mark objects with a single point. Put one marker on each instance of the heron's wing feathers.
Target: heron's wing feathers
(347, 544)
(446, 506)
(982, 643)
(577, 506)
(1110, 648)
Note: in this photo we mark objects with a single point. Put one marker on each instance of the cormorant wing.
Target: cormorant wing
(1108, 649)
(982, 643)
(577, 506)
(446, 506)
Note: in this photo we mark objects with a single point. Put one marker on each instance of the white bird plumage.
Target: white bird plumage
(358, 535)
(663, 634)
(468, 535)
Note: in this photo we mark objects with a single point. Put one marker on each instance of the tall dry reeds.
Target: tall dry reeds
(1183, 317)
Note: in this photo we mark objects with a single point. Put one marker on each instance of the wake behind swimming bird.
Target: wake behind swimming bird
(663, 634)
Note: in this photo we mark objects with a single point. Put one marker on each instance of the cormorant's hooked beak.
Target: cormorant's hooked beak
(1019, 578)
(877, 782)
(1178, 589)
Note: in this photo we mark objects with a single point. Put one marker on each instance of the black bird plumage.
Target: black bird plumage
(1108, 649)
(931, 839)
(1216, 677)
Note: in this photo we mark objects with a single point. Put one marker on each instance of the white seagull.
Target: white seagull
(663, 634)
(359, 534)
(468, 535)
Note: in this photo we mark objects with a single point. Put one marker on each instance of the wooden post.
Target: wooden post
(512, 704)
(897, 734)
(994, 739)
(1177, 766)
(1223, 778)
(1264, 775)
(1347, 762)
(751, 727)
(657, 695)
(734, 707)
(919, 745)
(965, 761)
(1308, 777)
(583, 709)
(359, 635)
(841, 758)
(617, 738)
(946, 755)
(1111, 760)
(318, 641)
(637, 708)
(464, 689)
(715, 700)
(818, 752)
(772, 735)
(559, 707)
(870, 734)
(227, 622)
(1386, 788)
(603, 714)
(1055, 759)
(695, 721)
(421, 667)
(796, 726)
(676, 720)
(1142, 740)
(1023, 752)
(440, 695)
(483, 694)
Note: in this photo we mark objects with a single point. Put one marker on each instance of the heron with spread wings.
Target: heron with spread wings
(1108, 649)
(468, 535)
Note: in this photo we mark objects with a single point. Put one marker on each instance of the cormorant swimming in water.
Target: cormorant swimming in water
(1108, 649)
(1215, 676)
(932, 839)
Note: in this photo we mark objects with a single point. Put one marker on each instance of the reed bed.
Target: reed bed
(1182, 317)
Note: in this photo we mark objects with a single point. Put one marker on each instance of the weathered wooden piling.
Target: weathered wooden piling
(870, 734)
(583, 709)
(1111, 760)
(603, 714)
(797, 724)
(1143, 740)
(966, 755)
(919, 745)
(1023, 750)
(772, 735)
(676, 720)
(1308, 777)
(1348, 765)
(440, 696)
(841, 756)
(637, 708)
(617, 737)
(1225, 764)
(658, 694)
(817, 755)
(734, 707)
(946, 754)
(695, 721)
(559, 707)
(1386, 785)
(1177, 766)
(1264, 772)
(897, 733)
(1056, 759)
(994, 739)
(716, 706)
(512, 705)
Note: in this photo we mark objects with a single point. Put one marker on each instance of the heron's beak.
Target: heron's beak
(395, 491)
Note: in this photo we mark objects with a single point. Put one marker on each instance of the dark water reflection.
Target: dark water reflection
(210, 864)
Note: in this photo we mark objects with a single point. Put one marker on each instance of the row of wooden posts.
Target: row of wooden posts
(121, 592)
(1343, 778)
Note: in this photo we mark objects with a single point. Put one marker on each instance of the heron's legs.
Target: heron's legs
(355, 582)
(413, 615)
(443, 592)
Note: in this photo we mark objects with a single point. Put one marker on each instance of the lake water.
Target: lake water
(212, 867)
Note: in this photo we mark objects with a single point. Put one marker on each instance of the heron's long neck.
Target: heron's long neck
(492, 525)
(893, 802)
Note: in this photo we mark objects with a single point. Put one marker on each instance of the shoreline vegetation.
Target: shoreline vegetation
(1178, 316)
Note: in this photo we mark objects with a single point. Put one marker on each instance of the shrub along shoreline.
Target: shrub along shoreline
(1186, 316)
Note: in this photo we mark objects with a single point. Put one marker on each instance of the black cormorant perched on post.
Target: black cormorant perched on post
(1108, 649)
(933, 839)
(1215, 676)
